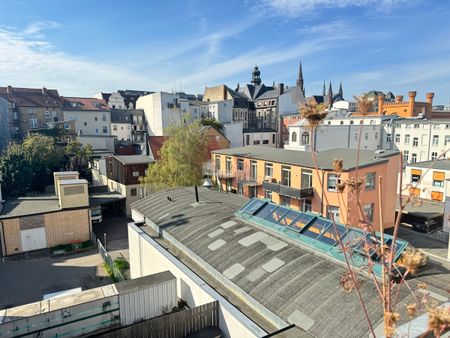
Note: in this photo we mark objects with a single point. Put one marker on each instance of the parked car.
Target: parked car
(96, 214)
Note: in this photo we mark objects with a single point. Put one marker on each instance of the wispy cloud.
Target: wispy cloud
(295, 8)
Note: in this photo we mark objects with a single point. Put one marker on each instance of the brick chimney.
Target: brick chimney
(412, 102)
(281, 88)
(9, 90)
(380, 104)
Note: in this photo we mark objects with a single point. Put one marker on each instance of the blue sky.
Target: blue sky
(83, 47)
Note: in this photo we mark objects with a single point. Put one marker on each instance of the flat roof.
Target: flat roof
(425, 208)
(77, 181)
(436, 165)
(29, 205)
(144, 282)
(134, 159)
(64, 173)
(292, 281)
(102, 198)
(304, 158)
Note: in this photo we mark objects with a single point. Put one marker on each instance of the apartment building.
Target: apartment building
(36, 222)
(289, 178)
(5, 122)
(32, 108)
(123, 172)
(427, 180)
(419, 140)
(128, 125)
(163, 110)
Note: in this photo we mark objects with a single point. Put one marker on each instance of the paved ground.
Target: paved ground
(116, 231)
(25, 280)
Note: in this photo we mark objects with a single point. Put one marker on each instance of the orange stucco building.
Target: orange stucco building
(289, 178)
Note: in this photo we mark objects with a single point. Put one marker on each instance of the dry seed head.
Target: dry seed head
(421, 285)
(411, 309)
(363, 104)
(338, 164)
(392, 316)
(389, 331)
(412, 260)
(438, 319)
(314, 113)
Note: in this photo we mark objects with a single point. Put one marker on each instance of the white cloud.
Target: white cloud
(295, 8)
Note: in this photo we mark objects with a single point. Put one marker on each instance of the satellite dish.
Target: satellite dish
(207, 183)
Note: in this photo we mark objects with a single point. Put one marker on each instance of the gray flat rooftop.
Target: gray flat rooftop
(134, 159)
(425, 208)
(436, 165)
(68, 182)
(102, 198)
(29, 205)
(132, 285)
(304, 158)
(293, 282)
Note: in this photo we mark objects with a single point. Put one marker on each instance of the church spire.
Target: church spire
(340, 92)
(330, 95)
(324, 90)
(300, 82)
(256, 78)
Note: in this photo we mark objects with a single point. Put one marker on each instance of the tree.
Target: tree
(211, 121)
(44, 158)
(16, 174)
(182, 158)
(78, 158)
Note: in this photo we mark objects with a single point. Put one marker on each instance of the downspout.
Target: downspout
(349, 135)
(323, 188)
(3, 239)
(429, 142)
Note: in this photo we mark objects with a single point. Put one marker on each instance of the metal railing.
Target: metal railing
(108, 260)
(288, 191)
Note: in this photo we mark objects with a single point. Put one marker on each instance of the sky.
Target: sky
(82, 47)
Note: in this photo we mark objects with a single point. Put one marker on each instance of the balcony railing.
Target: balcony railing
(288, 191)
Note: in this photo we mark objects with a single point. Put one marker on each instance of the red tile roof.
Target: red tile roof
(84, 103)
(32, 97)
(155, 143)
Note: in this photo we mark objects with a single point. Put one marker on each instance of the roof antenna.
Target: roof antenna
(196, 193)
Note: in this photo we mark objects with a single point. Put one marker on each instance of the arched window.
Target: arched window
(294, 137)
(351, 122)
(342, 122)
(305, 137)
(361, 122)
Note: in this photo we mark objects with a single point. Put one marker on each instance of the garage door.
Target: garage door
(33, 239)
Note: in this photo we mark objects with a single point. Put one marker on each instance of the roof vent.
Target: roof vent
(380, 151)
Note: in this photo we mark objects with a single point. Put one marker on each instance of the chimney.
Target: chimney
(281, 88)
(429, 108)
(9, 90)
(399, 98)
(430, 97)
(44, 91)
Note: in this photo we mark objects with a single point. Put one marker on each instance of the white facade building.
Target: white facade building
(419, 140)
(233, 132)
(262, 137)
(163, 110)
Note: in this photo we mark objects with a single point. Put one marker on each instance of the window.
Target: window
(407, 138)
(256, 142)
(438, 179)
(368, 211)
(247, 139)
(342, 122)
(415, 142)
(31, 110)
(253, 170)
(416, 126)
(114, 127)
(265, 141)
(370, 181)
(133, 192)
(352, 122)
(305, 137)
(135, 173)
(286, 176)
(85, 124)
(47, 115)
(217, 163)
(104, 117)
(33, 122)
(294, 137)
(273, 138)
(268, 169)
(228, 164)
(96, 130)
(413, 158)
(285, 201)
(268, 195)
(405, 156)
(447, 139)
(240, 164)
(434, 155)
(388, 138)
(376, 135)
(435, 140)
(306, 179)
(105, 130)
(366, 136)
(307, 206)
(333, 180)
(333, 213)
(397, 138)
(95, 118)
(415, 175)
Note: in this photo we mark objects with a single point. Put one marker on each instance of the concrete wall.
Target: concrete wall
(147, 257)
(233, 132)
(98, 142)
(125, 190)
(73, 195)
(121, 130)
(258, 138)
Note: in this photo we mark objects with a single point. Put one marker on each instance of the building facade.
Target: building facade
(290, 178)
(128, 125)
(32, 109)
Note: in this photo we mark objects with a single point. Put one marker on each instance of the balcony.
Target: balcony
(288, 191)
(225, 173)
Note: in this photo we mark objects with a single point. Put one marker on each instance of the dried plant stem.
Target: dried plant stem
(383, 268)
(344, 251)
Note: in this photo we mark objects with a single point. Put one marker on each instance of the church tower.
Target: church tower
(256, 79)
(324, 92)
(330, 95)
(300, 82)
(340, 92)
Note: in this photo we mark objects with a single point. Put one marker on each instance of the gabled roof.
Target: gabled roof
(125, 115)
(155, 143)
(254, 92)
(32, 97)
(84, 103)
(133, 159)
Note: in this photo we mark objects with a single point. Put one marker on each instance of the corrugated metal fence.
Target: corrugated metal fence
(108, 260)
(175, 325)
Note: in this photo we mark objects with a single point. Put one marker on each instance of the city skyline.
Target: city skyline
(84, 48)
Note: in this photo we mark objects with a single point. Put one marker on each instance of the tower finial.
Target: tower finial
(300, 82)
(256, 78)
